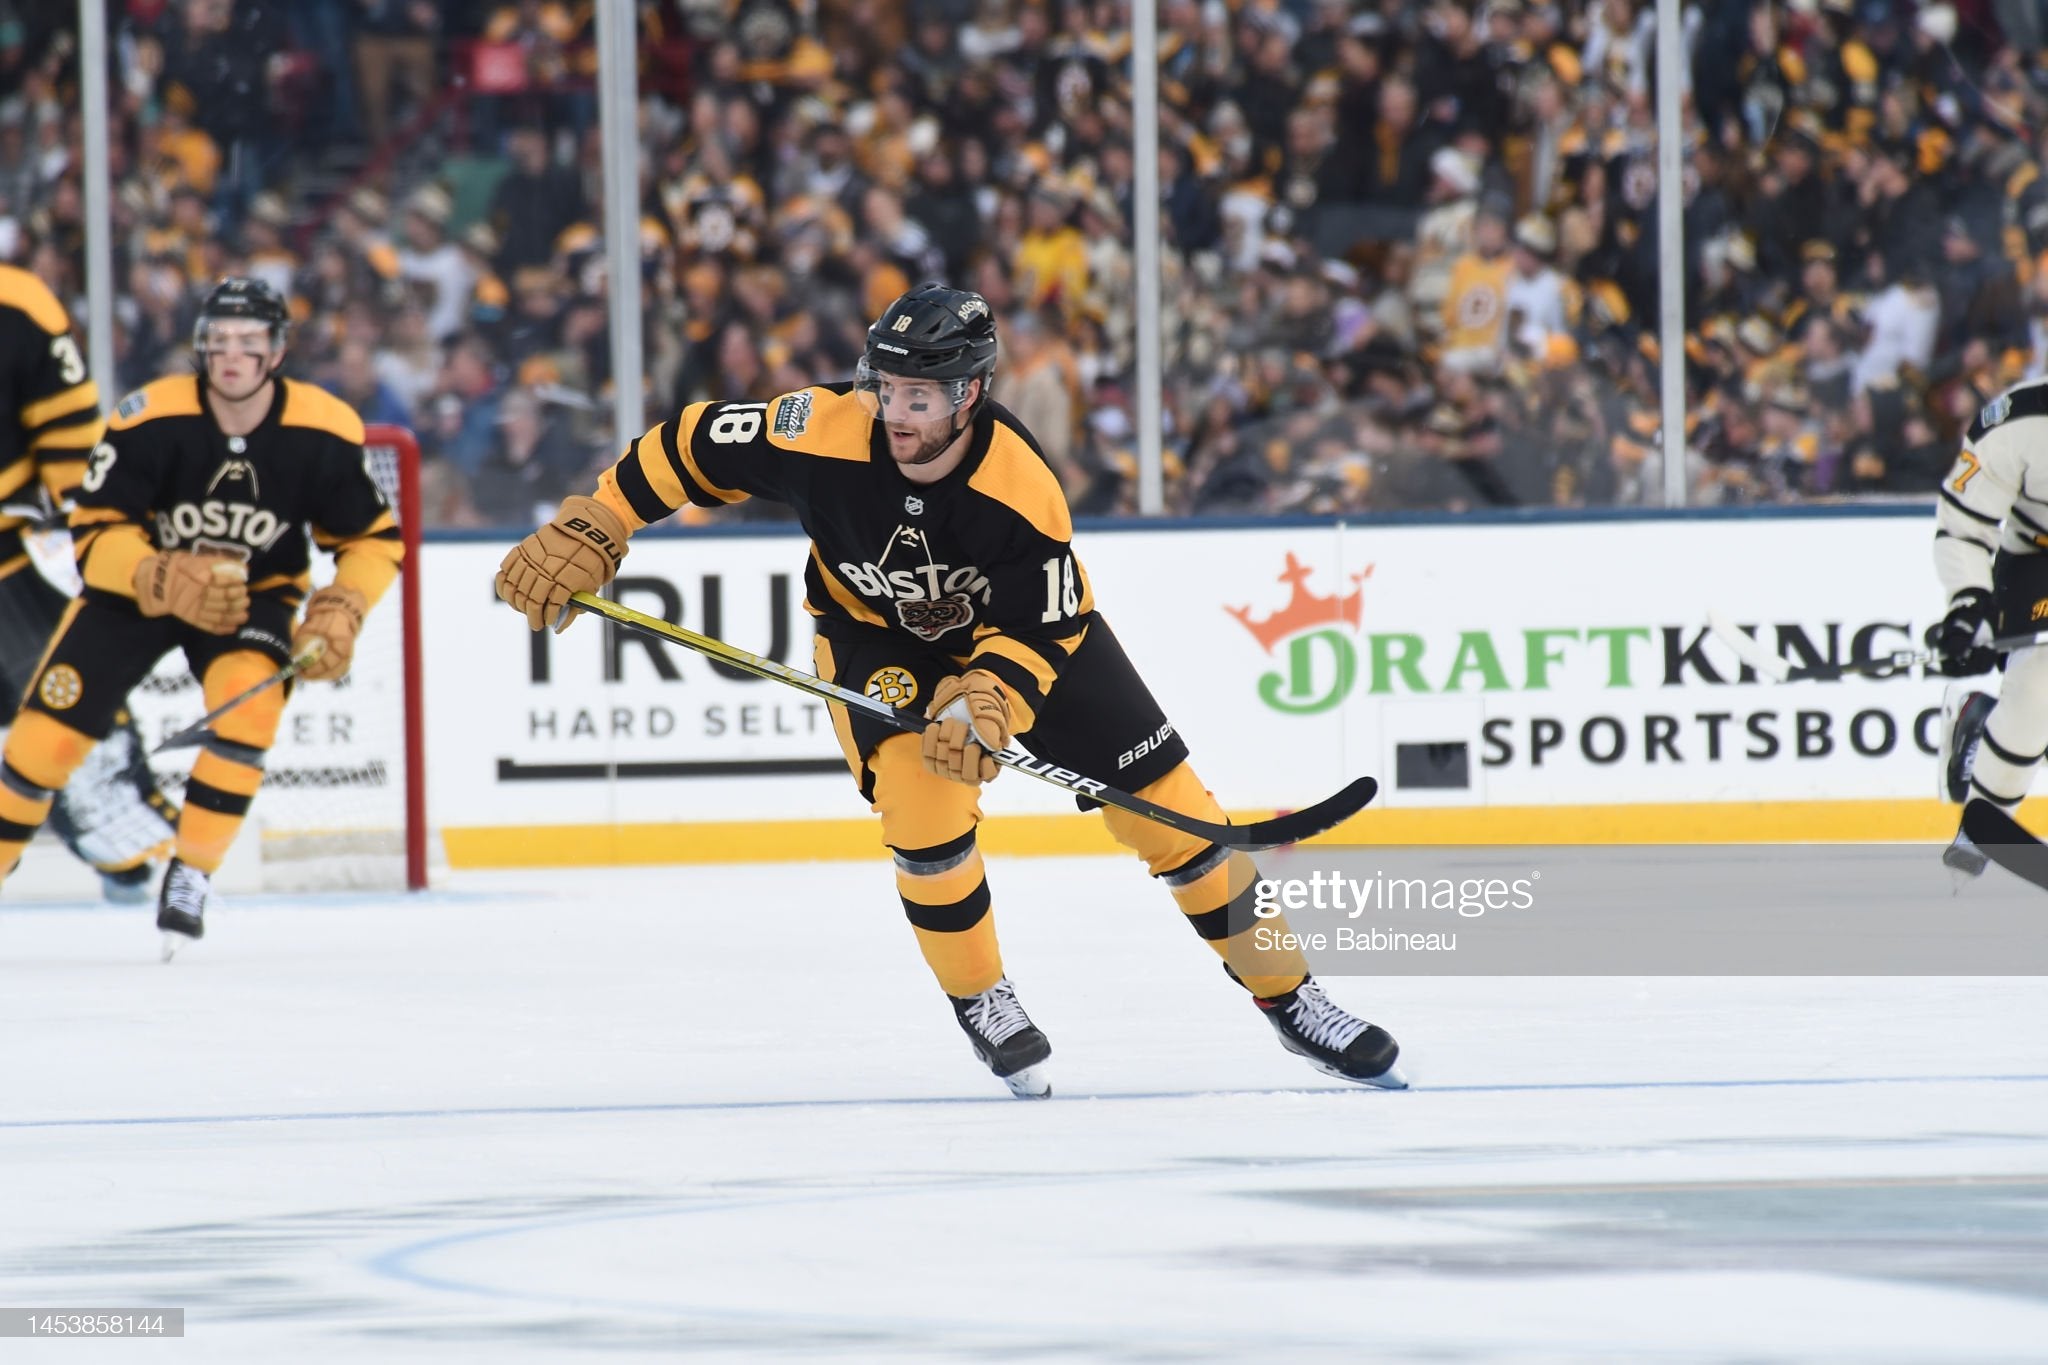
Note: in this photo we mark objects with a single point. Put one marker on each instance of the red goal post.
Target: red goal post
(393, 455)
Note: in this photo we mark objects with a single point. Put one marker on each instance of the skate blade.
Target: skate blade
(1032, 1083)
(1391, 1079)
(173, 942)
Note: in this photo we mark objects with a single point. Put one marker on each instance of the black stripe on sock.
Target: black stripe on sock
(11, 777)
(14, 832)
(956, 918)
(1227, 920)
(2008, 755)
(2008, 802)
(209, 797)
(939, 857)
(1204, 862)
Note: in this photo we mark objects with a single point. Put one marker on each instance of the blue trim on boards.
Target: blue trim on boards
(1509, 516)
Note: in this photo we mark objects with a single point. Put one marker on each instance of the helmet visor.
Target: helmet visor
(906, 398)
(240, 336)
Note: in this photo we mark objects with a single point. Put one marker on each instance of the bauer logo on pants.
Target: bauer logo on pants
(61, 688)
(893, 685)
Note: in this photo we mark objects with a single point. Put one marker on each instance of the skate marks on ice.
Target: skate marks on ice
(1984, 1233)
(547, 1127)
(999, 1102)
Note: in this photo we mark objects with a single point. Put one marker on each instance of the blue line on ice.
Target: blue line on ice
(728, 1106)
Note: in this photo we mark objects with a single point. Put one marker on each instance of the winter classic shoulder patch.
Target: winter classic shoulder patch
(1996, 411)
(133, 403)
(792, 415)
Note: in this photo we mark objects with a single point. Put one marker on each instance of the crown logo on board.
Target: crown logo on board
(1304, 609)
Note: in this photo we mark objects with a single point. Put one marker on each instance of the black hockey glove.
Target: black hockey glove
(1963, 634)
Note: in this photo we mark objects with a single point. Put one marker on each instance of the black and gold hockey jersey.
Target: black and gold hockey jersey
(49, 405)
(978, 566)
(167, 478)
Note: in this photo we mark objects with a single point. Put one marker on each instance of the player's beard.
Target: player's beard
(933, 445)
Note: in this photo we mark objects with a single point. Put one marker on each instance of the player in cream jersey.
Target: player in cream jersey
(1991, 553)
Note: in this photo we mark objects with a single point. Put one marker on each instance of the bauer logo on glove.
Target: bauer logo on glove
(579, 551)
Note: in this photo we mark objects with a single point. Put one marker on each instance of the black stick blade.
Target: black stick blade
(2006, 842)
(186, 738)
(1308, 822)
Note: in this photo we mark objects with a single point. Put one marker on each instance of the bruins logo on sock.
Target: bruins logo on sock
(61, 688)
(893, 685)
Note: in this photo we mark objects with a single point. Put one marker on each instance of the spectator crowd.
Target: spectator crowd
(1409, 251)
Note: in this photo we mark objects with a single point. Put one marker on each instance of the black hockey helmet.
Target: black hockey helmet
(242, 297)
(932, 332)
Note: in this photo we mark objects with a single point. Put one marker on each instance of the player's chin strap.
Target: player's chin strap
(1282, 829)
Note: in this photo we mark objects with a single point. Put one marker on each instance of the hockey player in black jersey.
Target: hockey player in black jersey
(941, 574)
(111, 815)
(191, 530)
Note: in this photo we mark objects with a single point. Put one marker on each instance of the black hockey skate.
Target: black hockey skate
(181, 905)
(1005, 1039)
(1335, 1041)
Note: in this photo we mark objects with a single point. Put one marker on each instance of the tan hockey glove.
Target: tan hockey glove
(970, 723)
(579, 551)
(334, 616)
(205, 591)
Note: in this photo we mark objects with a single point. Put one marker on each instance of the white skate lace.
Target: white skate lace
(1321, 1021)
(186, 889)
(996, 1014)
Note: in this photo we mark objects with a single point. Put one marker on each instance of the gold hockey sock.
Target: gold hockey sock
(945, 897)
(1212, 885)
(42, 753)
(217, 799)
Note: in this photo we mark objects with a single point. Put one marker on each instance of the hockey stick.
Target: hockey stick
(197, 732)
(1780, 669)
(1281, 829)
(2006, 842)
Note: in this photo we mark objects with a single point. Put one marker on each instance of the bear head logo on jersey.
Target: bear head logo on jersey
(933, 617)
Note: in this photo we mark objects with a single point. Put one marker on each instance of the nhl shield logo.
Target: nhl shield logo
(914, 505)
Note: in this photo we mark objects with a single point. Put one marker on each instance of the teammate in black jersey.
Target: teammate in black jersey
(190, 528)
(111, 814)
(941, 574)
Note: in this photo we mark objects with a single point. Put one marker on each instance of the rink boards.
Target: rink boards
(1506, 681)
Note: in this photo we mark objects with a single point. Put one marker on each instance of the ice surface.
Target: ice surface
(724, 1113)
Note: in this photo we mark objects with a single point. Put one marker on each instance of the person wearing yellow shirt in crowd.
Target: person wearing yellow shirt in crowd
(1475, 305)
(1052, 260)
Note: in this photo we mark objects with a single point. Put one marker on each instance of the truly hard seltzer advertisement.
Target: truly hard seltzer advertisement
(1639, 910)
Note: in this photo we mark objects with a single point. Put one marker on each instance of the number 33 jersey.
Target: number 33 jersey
(165, 477)
(978, 566)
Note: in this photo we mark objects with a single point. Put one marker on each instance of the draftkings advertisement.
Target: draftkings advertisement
(1465, 666)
